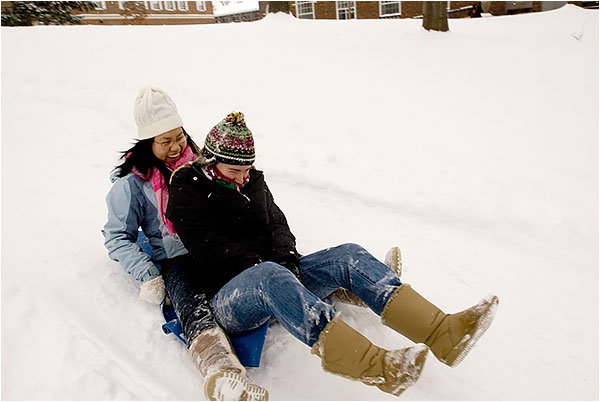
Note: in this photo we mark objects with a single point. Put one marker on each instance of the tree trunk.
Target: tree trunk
(435, 16)
(278, 7)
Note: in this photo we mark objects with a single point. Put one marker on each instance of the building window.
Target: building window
(346, 10)
(201, 5)
(99, 5)
(155, 5)
(182, 5)
(170, 5)
(389, 8)
(305, 10)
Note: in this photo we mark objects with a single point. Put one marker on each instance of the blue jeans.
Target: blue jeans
(269, 290)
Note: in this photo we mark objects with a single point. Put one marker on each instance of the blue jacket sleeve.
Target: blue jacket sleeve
(125, 213)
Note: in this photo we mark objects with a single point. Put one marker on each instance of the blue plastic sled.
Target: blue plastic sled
(248, 345)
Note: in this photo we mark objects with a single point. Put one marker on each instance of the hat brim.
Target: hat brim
(160, 127)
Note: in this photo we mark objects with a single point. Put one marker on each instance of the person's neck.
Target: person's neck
(214, 174)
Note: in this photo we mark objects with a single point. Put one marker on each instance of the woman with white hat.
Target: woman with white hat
(138, 199)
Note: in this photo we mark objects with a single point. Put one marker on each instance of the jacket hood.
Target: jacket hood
(114, 176)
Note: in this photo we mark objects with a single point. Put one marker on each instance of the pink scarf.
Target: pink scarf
(159, 185)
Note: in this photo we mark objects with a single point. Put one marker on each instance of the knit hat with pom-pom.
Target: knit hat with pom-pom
(155, 113)
(230, 142)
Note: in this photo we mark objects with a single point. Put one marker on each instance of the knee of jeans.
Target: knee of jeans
(274, 277)
(271, 270)
(352, 248)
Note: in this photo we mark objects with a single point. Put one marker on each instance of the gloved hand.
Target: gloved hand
(154, 290)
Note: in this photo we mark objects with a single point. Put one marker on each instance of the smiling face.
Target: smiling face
(169, 146)
(237, 173)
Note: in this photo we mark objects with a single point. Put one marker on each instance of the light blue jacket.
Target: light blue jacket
(132, 204)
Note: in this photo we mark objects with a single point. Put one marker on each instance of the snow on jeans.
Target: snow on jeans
(191, 304)
(270, 290)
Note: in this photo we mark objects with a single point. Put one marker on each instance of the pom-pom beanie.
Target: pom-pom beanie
(230, 142)
(155, 113)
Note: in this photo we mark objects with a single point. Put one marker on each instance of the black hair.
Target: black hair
(141, 157)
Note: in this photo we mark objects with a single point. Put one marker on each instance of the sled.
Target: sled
(247, 345)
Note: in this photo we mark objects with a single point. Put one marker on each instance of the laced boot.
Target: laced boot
(345, 352)
(450, 336)
(224, 376)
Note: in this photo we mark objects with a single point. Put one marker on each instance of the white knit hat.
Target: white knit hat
(155, 113)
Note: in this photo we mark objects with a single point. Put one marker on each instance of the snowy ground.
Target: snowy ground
(476, 151)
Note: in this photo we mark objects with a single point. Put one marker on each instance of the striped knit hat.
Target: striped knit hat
(230, 142)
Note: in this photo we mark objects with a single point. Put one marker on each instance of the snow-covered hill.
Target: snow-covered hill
(475, 151)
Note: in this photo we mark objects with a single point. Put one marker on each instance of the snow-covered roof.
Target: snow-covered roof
(221, 8)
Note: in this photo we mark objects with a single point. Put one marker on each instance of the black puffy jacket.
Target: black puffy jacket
(227, 231)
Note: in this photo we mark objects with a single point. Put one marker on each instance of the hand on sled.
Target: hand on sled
(153, 291)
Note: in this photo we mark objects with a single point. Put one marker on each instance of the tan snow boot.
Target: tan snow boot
(346, 352)
(224, 376)
(344, 296)
(450, 336)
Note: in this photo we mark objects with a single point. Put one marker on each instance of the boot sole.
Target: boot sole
(483, 324)
(248, 391)
(393, 259)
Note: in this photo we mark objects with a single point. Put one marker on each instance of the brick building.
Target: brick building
(370, 9)
(205, 12)
(202, 12)
(172, 12)
(149, 13)
(411, 9)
